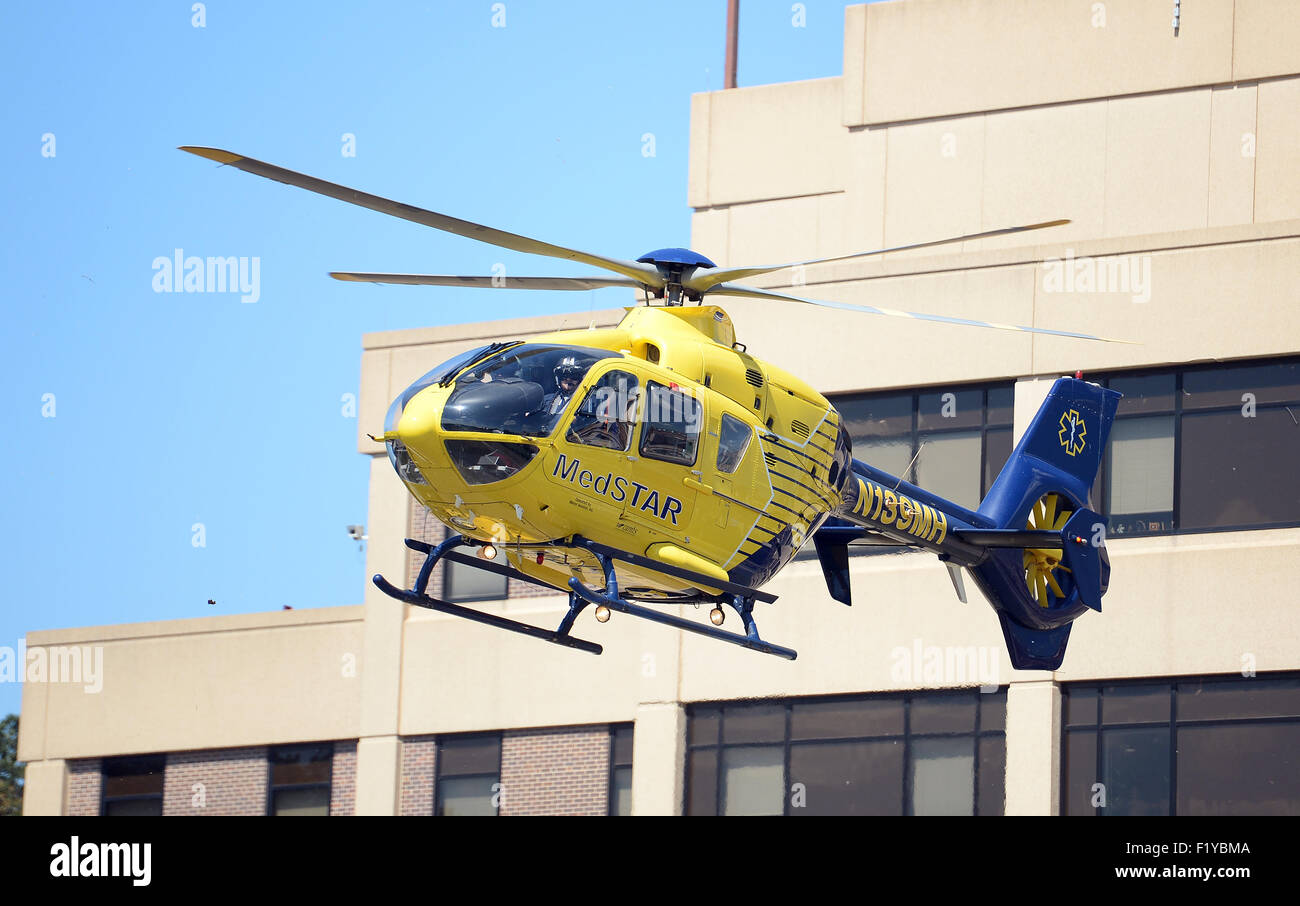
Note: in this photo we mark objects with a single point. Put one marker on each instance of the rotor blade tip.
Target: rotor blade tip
(216, 154)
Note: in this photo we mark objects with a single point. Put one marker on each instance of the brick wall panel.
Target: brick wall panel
(423, 526)
(419, 767)
(555, 771)
(216, 782)
(343, 783)
(84, 786)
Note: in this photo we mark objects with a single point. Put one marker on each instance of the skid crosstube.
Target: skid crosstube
(546, 635)
(741, 598)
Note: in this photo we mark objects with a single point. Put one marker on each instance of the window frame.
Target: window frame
(439, 776)
(615, 764)
(644, 419)
(985, 426)
(1101, 487)
(976, 735)
(1172, 724)
(590, 382)
(272, 787)
(744, 448)
(105, 799)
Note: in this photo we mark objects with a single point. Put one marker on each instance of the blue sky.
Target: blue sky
(171, 409)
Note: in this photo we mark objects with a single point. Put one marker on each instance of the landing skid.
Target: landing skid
(740, 598)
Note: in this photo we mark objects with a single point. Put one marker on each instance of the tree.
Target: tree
(11, 769)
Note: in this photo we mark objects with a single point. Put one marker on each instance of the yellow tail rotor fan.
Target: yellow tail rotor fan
(1043, 567)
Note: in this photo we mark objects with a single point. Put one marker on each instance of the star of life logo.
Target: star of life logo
(1072, 433)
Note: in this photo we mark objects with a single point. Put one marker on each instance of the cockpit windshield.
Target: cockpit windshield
(521, 390)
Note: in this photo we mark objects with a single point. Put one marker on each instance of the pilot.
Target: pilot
(568, 374)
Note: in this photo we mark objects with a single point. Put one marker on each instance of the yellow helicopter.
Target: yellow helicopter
(658, 462)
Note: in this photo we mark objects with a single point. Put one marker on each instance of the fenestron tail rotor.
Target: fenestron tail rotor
(1046, 576)
(673, 274)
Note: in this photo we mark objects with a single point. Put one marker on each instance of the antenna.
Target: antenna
(733, 20)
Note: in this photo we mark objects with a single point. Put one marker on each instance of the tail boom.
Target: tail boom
(1034, 547)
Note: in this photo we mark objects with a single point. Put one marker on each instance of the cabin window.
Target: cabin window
(608, 413)
(733, 441)
(672, 425)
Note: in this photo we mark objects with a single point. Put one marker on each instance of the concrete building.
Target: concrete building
(1176, 155)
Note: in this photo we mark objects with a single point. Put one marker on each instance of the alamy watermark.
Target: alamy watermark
(75, 859)
(183, 273)
(1116, 274)
(67, 664)
(946, 665)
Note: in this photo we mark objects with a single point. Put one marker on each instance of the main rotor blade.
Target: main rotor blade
(732, 289)
(706, 280)
(563, 283)
(642, 273)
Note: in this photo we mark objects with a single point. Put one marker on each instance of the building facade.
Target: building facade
(1176, 156)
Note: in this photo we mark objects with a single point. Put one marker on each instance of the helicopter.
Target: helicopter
(659, 463)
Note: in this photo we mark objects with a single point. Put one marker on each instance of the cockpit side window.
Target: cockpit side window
(733, 441)
(671, 428)
(608, 412)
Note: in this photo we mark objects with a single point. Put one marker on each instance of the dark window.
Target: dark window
(1197, 449)
(733, 441)
(133, 785)
(672, 425)
(469, 775)
(951, 442)
(620, 769)
(892, 754)
(300, 778)
(1200, 746)
(607, 415)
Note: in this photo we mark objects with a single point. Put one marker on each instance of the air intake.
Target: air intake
(755, 378)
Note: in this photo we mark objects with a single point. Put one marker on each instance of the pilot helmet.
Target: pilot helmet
(568, 370)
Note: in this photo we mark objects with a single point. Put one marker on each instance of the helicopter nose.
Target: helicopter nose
(418, 422)
(413, 429)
